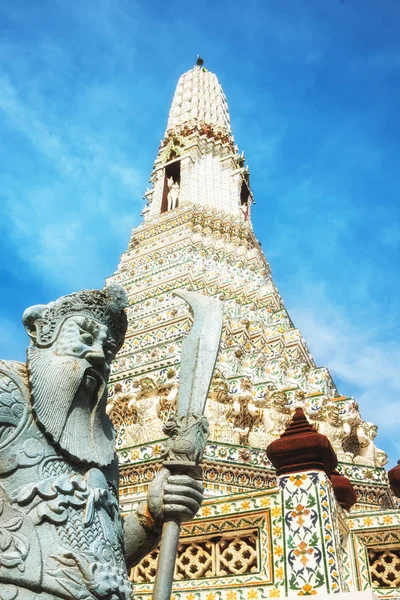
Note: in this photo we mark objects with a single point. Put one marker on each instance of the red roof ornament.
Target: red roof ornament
(394, 479)
(345, 494)
(301, 448)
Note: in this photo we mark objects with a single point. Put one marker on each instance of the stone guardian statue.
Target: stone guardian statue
(61, 532)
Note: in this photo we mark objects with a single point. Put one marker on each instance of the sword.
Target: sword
(188, 431)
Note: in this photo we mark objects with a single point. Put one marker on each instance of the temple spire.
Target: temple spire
(198, 162)
(199, 99)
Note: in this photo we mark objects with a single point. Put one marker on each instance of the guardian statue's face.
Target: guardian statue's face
(69, 365)
(86, 339)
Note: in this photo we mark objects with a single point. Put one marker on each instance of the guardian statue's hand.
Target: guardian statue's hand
(174, 496)
(170, 496)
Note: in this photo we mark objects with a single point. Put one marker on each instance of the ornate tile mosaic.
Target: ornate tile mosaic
(204, 241)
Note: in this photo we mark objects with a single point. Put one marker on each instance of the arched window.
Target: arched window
(172, 183)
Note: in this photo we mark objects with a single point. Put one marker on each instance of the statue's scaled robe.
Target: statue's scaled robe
(60, 529)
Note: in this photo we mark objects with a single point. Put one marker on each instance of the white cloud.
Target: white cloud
(362, 359)
(59, 227)
(72, 150)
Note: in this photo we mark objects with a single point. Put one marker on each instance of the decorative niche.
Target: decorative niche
(172, 170)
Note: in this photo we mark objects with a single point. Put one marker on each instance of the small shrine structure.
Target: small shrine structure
(298, 500)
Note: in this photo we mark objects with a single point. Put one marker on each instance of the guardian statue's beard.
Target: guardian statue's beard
(69, 401)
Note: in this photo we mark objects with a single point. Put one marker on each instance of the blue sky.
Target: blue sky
(312, 87)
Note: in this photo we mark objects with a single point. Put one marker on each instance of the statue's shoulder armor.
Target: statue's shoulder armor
(14, 400)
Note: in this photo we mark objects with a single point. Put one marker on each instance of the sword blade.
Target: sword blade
(199, 353)
(198, 358)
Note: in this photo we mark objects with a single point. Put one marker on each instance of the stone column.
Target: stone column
(304, 460)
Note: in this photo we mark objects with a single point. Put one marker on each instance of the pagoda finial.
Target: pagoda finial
(199, 99)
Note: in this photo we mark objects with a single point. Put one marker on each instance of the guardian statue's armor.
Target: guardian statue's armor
(61, 533)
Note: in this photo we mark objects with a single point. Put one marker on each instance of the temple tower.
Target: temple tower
(197, 234)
